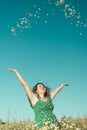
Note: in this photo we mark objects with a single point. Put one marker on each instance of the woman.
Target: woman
(41, 100)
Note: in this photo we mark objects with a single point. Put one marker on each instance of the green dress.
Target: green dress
(43, 112)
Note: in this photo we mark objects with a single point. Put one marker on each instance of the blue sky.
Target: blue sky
(52, 50)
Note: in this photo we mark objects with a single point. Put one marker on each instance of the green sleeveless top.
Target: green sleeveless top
(43, 112)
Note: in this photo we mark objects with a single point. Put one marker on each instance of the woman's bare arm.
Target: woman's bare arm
(25, 86)
(54, 93)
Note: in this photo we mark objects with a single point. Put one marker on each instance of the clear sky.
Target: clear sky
(47, 42)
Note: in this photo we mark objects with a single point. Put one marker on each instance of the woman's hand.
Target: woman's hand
(64, 85)
(13, 70)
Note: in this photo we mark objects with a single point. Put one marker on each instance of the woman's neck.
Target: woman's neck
(42, 97)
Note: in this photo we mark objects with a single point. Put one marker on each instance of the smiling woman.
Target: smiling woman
(41, 101)
(39, 88)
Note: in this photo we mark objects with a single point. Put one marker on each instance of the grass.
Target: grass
(63, 124)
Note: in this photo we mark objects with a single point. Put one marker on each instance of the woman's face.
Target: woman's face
(41, 89)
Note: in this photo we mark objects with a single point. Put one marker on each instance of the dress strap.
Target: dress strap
(49, 98)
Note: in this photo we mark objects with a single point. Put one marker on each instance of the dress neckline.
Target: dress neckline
(43, 101)
(40, 101)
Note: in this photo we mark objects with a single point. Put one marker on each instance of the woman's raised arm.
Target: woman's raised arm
(54, 93)
(25, 85)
